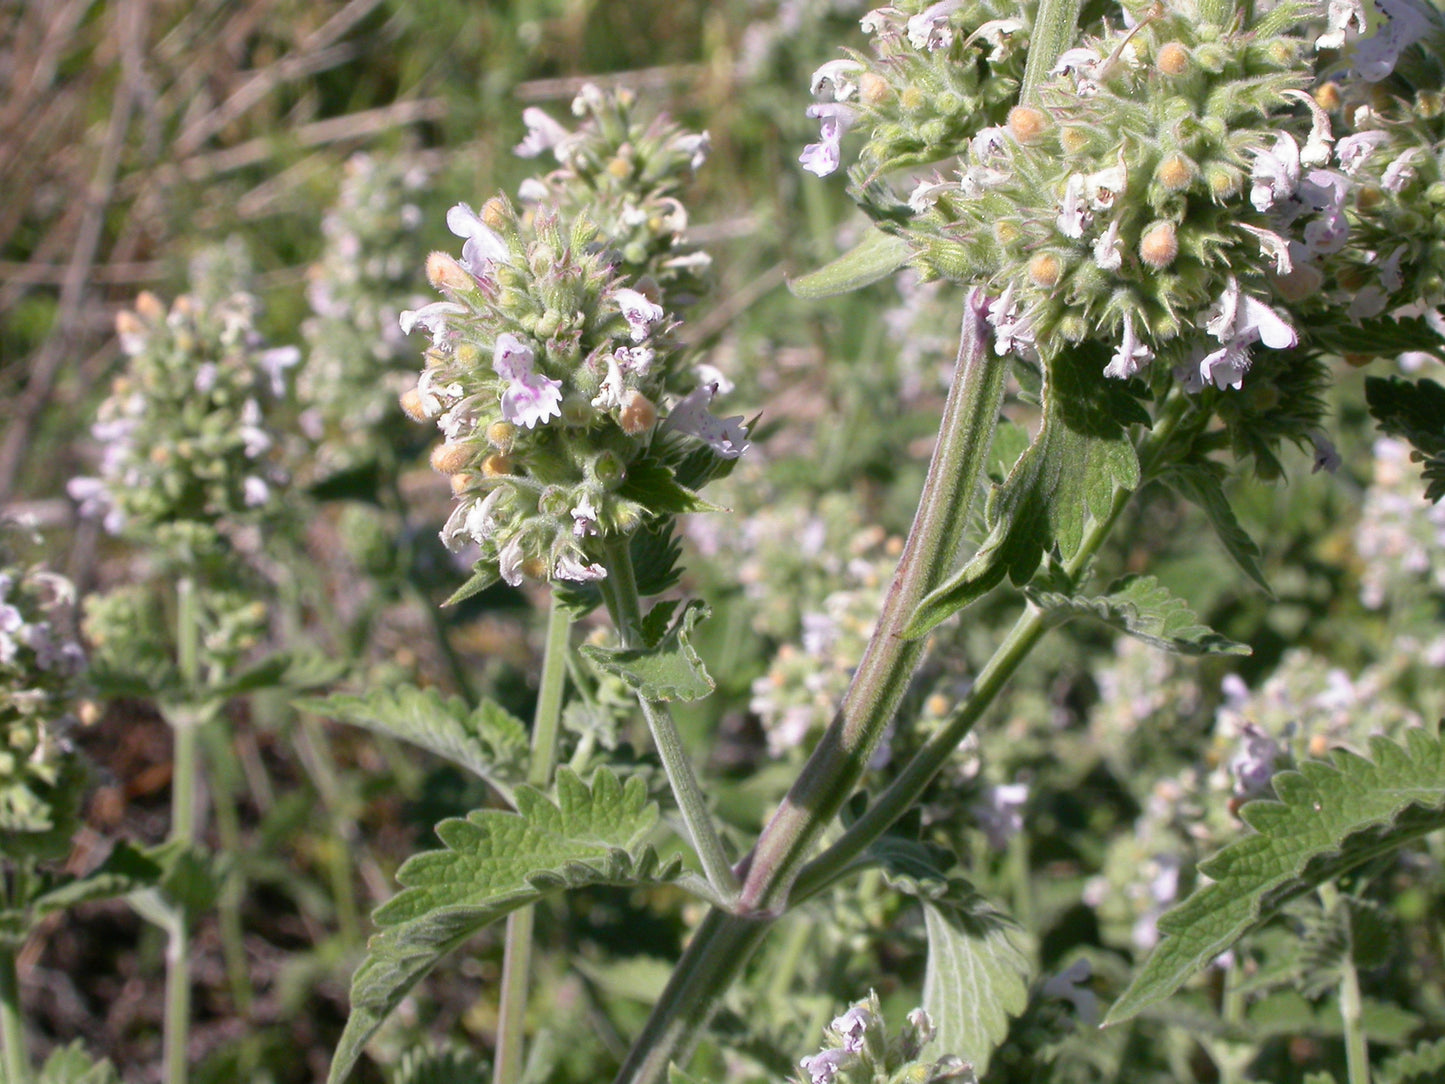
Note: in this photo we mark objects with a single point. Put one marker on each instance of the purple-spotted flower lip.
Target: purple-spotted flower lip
(640, 313)
(1133, 354)
(835, 118)
(483, 248)
(543, 134)
(530, 399)
(839, 77)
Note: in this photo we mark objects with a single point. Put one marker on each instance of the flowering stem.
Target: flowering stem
(12, 1023)
(619, 590)
(837, 763)
(516, 962)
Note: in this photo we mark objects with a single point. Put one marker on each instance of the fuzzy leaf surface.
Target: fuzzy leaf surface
(1416, 412)
(1145, 609)
(1423, 1065)
(1069, 475)
(978, 970)
(877, 256)
(495, 862)
(73, 1065)
(670, 669)
(489, 741)
(1330, 818)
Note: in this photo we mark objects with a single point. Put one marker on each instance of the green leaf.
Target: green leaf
(1202, 483)
(125, 870)
(978, 976)
(978, 970)
(1415, 411)
(1380, 337)
(1330, 818)
(669, 670)
(484, 575)
(876, 257)
(1145, 609)
(73, 1064)
(1069, 475)
(447, 1065)
(488, 741)
(652, 484)
(494, 863)
(1423, 1065)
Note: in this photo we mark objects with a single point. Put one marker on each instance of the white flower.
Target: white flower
(1073, 218)
(822, 158)
(634, 359)
(998, 33)
(1253, 766)
(1391, 277)
(639, 312)
(1013, 333)
(838, 76)
(530, 398)
(1000, 812)
(483, 247)
(509, 561)
(696, 145)
(543, 134)
(930, 29)
(1275, 174)
(572, 566)
(1326, 193)
(255, 491)
(1104, 187)
(433, 317)
(610, 394)
(1069, 985)
(726, 436)
(584, 517)
(1341, 15)
(1271, 246)
(925, 194)
(1316, 151)
(1107, 255)
(1238, 321)
(1132, 354)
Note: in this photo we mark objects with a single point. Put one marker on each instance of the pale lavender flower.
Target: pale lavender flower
(483, 247)
(1253, 766)
(1107, 254)
(543, 134)
(823, 157)
(1238, 321)
(1354, 150)
(726, 436)
(530, 398)
(1070, 985)
(1001, 813)
(432, 317)
(930, 28)
(824, 1066)
(1272, 246)
(584, 517)
(1013, 332)
(510, 560)
(1376, 56)
(852, 1027)
(1340, 16)
(1073, 217)
(1400, 172)
(255, 491)
(1327, 458)
(573, 566)
(640, 313)
(275, 362)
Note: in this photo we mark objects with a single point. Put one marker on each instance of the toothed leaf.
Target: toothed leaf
(493, 863)
(1144, 608)
(669, 670)
(1330, 818)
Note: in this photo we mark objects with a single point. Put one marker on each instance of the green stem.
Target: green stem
(516, 963)
(836, 765)
(1055, 28)
(619, 590)
(1357, 1051)
(12, 1021)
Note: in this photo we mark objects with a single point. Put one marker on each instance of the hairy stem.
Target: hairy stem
(516, 963)
(1357, 1051)
(837, 763)
(619, 590)
(12, 1022)
(1054, 29)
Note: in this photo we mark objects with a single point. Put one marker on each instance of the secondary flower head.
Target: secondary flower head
(187, 450)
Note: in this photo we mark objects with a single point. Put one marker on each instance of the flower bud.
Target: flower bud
(1224, 182)
(496, 466)
(638, 414)
(500, 436)
(450, 458)
(411, 405)
(1368, 197)
(1176, 173)
(1046, 269)
(461, 482)
(1303, 281)
(1173, 59)
(149, 306)
(496, 215)
(912, 99)
(1026, 124)
(1328, 97)
(128, 325)
(873, 88)
(608, 469)
(445, 273)
(1159, 245)
(1075, 139)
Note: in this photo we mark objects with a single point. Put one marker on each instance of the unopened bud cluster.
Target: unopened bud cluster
(40, 667)
(356, 355)
(554, 376)
(625, 176)
(858, 1050)
(186, 445)
(937, 74)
